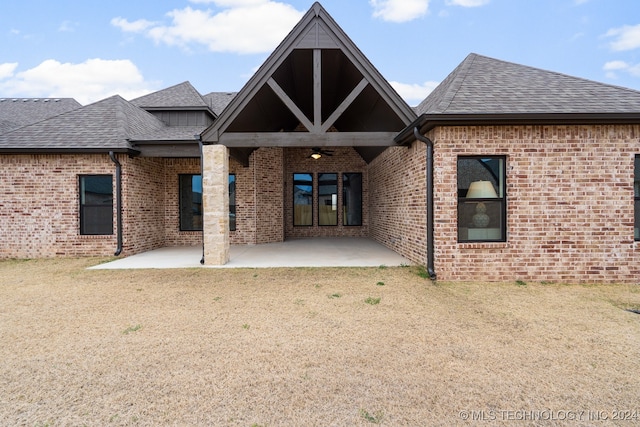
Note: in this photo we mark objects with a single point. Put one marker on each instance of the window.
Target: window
(96, 204)
(302, 199)
(327, 199)
(190, 202)
(481, 199)
(636, 198)
(232, 202)
(352, 199)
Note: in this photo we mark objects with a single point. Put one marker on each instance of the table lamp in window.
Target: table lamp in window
(481, 190)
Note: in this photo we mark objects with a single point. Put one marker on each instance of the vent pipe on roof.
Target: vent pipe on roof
(430, 240)
(118, 202)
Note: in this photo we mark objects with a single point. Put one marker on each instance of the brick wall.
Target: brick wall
(264, 194)
(245, 233)
(397, 184)
(173, 236)
(569, 204)
(143, 216)
(39, 206)
(259, 215)
(344, 159)
(268, 179)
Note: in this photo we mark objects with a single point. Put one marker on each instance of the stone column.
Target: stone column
(215, 203)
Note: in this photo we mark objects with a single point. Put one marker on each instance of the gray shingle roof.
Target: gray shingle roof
(104, 125)
(482, 85)
(18, 112)
(218, 101)
(182, 95)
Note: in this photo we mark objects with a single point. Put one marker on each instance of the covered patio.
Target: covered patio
(315, 252)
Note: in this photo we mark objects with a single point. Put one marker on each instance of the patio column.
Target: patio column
(215, 203)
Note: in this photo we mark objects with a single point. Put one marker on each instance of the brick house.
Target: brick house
(504, 172)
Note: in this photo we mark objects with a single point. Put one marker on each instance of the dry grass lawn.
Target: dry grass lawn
(274, 347)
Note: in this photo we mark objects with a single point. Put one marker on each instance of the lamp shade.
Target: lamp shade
(481, 190)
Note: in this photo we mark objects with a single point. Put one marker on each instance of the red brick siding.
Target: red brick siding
(39, 208)
(143, 203)
(344, 159)
(569, 204)
(245, 232)
(268, 167)
(172, 234)
(259, 215)
(397, 184)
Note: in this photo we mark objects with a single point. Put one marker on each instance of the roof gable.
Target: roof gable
(482, 85)
(180, 96)
(316, 81)
(101, 126)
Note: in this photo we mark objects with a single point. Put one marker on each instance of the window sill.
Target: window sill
(483, 245)
(96, 236)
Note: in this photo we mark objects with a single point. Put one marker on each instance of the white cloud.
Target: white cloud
(625, 38)
(87, 82)
(399, 10)
(7, 69)
(615, 65)
(612, 67)
(67, 27)
(246, 26)
(131, 27)
(467, 3)
(414, 93)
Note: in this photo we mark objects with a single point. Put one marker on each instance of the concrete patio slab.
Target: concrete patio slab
(316, 252)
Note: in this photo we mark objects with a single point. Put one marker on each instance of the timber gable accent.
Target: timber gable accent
(316, 89)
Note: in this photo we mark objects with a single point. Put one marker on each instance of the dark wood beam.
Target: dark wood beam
(241, 155)
(306, 139)
(290, 104)
(169, 150)
(317, 90)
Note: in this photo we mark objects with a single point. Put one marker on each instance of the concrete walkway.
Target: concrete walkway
(316, 252)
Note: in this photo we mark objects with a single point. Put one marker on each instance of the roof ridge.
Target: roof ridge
(443, 95)
(178, 95)
(558, 73)
(458, 80)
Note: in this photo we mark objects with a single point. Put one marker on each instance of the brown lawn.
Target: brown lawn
(290, 347)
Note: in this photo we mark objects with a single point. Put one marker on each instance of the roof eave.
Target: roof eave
(129, 151)
(427, 122)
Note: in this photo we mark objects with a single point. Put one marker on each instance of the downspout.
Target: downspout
(200, 146)
(430, 240)
(118, 202)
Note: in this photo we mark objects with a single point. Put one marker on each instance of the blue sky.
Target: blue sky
(90, 50)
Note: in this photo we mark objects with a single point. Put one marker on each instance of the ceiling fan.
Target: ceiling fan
(317, 152)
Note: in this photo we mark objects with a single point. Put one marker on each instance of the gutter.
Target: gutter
(118, 202)
(430, 240)
(426, 122)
